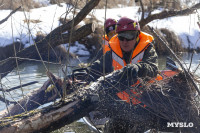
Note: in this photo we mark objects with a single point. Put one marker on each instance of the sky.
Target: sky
(16, 28)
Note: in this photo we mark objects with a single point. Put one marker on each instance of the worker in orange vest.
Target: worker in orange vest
(130, 49)
(131, 55)
(109, 27)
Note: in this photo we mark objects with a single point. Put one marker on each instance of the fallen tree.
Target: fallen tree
(53, 39)
(58, 35)
(169, 100)
(84, 100)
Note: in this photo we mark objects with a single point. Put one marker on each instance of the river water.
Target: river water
(35, 71)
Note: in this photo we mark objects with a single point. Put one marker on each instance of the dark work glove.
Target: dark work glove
(130, 71)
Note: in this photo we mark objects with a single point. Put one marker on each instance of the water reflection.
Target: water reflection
(192, 61)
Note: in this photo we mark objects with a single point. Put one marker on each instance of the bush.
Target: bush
(167, 4)
(172, 39)
(102, 4)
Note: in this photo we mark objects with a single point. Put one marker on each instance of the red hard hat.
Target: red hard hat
(109, 22)
(126, 24)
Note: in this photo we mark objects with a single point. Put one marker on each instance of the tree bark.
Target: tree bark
(50, 118)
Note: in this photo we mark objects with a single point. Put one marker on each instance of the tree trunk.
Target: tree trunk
(53, 39)
(50, 118)
(171, 102)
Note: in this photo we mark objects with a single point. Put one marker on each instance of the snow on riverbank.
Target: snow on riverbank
(47, 18)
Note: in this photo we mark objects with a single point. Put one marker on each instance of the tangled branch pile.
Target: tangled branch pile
(169, 100)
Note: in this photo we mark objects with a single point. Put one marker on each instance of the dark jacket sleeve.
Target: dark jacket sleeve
(149, 64)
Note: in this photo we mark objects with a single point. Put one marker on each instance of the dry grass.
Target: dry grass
(13, 4)
(30, 4)
(110, 3)
(153, 4)
(172, 39)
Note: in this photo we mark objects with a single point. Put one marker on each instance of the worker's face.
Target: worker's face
(127, 45)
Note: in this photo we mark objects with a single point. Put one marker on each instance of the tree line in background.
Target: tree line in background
(148, 4)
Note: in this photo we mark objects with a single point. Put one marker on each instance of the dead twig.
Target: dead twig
(5, 19)
(176, 58)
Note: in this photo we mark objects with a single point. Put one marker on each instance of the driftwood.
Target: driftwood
(50, 118)
(37, 97)
(75, 106)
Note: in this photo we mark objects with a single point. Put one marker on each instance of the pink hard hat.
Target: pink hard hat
(127, 24)
(109, 22)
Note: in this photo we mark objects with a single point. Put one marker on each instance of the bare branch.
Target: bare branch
(5, 19)
(166, 14)
(55, 38)
(142, 6)
(14, 88)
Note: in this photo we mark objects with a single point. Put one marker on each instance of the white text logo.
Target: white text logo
(179, 124)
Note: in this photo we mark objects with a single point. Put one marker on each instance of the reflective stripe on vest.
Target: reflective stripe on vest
(119, 63)
(138, 58)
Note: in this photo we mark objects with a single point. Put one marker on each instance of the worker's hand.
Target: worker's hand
(130, 71)
(126, 75)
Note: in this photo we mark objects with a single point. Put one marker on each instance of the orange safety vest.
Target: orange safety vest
(137, 56)
(105, 44)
